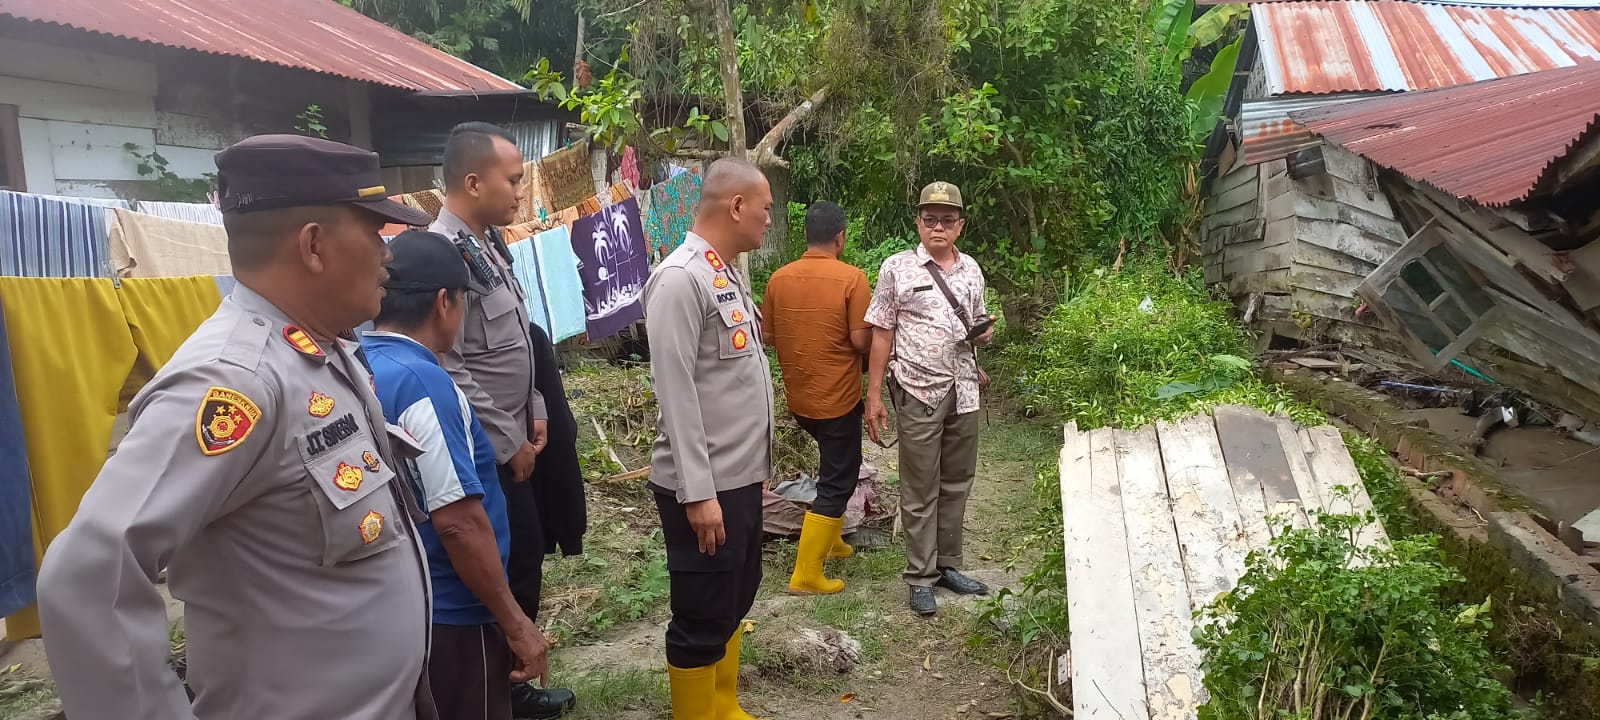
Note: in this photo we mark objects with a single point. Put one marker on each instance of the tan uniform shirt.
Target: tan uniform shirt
(259, 470)
(930, 357)
(493, 358)
(712, 382)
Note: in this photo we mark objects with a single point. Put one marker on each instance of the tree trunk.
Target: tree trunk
(728, 68)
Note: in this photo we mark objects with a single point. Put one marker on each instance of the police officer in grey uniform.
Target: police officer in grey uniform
(492, 361)
(258, 468)
(714, 449)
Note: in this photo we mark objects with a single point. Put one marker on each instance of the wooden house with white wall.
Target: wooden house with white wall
(88, 86)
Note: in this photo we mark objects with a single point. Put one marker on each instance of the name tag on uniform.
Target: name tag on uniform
(922, 288)
(727, 296)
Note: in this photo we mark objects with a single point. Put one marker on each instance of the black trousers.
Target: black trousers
(710, 594)
(839, 442)
(468, 668)
(525, 566)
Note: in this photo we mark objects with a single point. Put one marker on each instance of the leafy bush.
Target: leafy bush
(1125, 348)
(1319, 628)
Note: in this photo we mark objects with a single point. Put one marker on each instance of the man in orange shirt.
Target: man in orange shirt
(815, 315)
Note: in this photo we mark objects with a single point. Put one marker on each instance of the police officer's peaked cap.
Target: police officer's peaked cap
(268, 172)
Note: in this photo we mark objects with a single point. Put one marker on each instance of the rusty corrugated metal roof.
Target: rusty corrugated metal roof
(1492, 141)
(1268, 132)
(317, 35)
(1385, 45)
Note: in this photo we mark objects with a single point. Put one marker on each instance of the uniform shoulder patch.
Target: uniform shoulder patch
(225, 418)
(715, 259)
(299, 340)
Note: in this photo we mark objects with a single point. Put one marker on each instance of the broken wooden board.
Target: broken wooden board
(1158, 522)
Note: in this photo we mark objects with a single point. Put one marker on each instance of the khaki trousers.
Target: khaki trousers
(938, 459)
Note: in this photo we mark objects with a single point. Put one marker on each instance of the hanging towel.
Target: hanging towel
(672, 211)
(50, 237)
(16, 509)
(148, 246)
(161, 313)
(562, 286)
(630, 166)
(614, 264)
(567, 180)
(203, 213)
(525, 265)
(67, 408)
(95, 202)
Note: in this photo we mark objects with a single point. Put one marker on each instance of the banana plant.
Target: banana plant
(1209, 93)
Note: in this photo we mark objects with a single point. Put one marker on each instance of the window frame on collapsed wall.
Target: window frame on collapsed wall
(1457, 289)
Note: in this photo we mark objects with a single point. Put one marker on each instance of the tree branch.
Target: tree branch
(765, 152)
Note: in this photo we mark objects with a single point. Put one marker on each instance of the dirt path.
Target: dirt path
(910, 668)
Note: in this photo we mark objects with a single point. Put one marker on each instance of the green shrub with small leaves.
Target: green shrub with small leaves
(1125, 348)
(1320, 629)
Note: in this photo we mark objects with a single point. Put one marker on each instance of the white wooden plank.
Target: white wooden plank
(1299, 465)
(188, 162)
(76, 103)
(57, 63)
(1160, 590)
(1203, 508)
(97, 152)
(1339, 482)
(1346, 240)
(38, 165)
(1108, 668)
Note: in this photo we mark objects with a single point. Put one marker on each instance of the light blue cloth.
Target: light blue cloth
(525, 265)
(561, 286)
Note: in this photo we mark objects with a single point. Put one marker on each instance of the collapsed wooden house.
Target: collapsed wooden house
(1448, 225)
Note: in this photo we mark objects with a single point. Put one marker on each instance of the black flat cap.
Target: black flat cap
(269, 172)
(428, 262)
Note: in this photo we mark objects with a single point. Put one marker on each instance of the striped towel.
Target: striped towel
(50, 237)
(190, 212)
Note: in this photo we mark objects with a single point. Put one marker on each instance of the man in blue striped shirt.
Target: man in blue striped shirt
(481, 637)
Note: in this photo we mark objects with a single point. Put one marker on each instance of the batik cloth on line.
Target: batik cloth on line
(49, 237)
(17, 567)
(204, 213)
(614, 264)
(566, 176)
(561, 284)
(617, 193)
(672, 211)
(630, 166)
(532, 208)
(428, 201)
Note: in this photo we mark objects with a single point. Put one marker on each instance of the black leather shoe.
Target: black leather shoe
(960, 584)
(531, 703)
(922, 602)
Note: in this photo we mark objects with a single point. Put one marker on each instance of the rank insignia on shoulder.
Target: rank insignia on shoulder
(371, 527)
(740, 339)
(347, 477)
(301, 341)
(720, 282)
(737, 316)
(370, 460)
(319, 405)
(224, 420)
(715, 259)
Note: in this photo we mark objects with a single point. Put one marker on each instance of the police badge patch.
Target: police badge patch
(371, 527)
(319, 405)
(370, 460)
(224, 420)
(347, 477)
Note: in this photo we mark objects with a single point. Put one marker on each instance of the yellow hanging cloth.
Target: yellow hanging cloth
(71, 351)
(161, 313)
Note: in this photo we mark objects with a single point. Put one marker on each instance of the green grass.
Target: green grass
(605, 694)
(21, 692)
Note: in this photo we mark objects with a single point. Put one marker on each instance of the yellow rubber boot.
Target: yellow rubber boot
(727, 696)
(817, 536)
(840, 549)
(693, 692)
